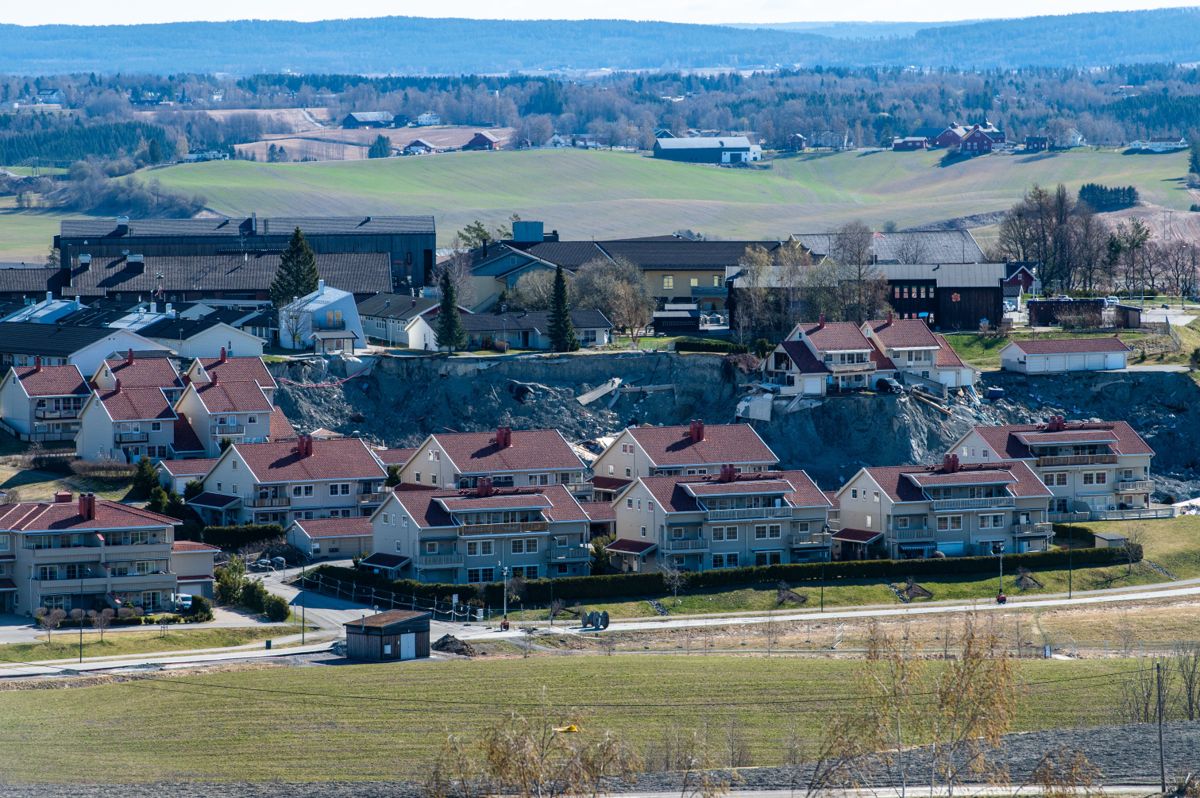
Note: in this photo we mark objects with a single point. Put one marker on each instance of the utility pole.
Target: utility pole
(1162, 762)
(1070, 567)
(80, 619)
(822, 587)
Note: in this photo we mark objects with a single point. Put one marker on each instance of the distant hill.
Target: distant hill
(415, 45)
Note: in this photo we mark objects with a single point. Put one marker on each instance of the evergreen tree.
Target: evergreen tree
(297, 274)
(562, 331)
(1194, 157)
(380, 148)
(450, 333)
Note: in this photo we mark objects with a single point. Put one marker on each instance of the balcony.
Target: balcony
(431, 561)
(913, 534)
(1135, 486)
(268, 501)
(228, 430)
(989, 503)
(1076, 460)
(76, 585)
(802, 539)
(849, 368)
(1033, 529)
(748, 513)
(517, 528)
(685, 544)
(372, 498)
(131, 437)
(49, 414)
(577, 553)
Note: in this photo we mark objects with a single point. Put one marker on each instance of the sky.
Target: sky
(95, 12)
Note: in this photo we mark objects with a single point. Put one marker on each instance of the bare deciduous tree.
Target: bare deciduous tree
(1186, 659)
(534, 291)
(1066, 773)
(49, 619)
(101, 620)
(673, 577)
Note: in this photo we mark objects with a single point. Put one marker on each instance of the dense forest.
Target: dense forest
(414, 45)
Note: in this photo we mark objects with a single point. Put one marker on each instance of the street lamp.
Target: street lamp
(998, 550)
(504, 573)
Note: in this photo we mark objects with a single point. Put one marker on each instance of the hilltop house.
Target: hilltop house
(326, 320)
(357, 120)
(280, 481)
(483, 140)
(483, 533)
(722, 520)
(816, 359)
(204, 336)
(401, 320)
(42, 403)
(917, 353)
(84, 554)
(953, 508)
(508, 457)
(223, 411)
(1159, 144)
(531, 329)
(1093, 469)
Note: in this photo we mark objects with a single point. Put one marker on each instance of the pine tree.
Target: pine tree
(450, 333)
(1194, 157)
(562, 331)
(297, 274)
(381, 148)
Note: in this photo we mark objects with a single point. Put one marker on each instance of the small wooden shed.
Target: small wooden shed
(391, 635)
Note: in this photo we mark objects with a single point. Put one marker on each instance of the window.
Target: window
(628, 472)
(854, 493)
(731, 560)
(902, 522)
(949, 523)
(560, 569)
(610, 469)
(767, 558)
(398, 546)
(472, 548)
(518, 546)
(529, 571)
(386, 517)
(731, 533)
(668, 281)
(431, 547)
(480, 575)
(876, 496)
(531, 545)
(433, 479)
(302, 490)
(539, 479)
(1095, 477)
(716, 281)
(417, 476)
(629, 504)
(718, 561)
(643, 531)
(4, 544)
(252, 420)
(991, 521)
(233, 465)
(339, 489)
(767, 532)
(156, 426)
(694, 282)
(718, 533)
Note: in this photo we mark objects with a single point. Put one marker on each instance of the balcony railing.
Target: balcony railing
(1135, 485)
(371, 498)
(1033, 529)
(685, 544)
(749, 513)
(570, 553)
(989, 503)
(132, 437)
(224, 430)
(913, 534)
(268, 501)
(517, 528)
(844, 368)
(1076, 460)
(809, 539)
(440, 560)
(50, 414)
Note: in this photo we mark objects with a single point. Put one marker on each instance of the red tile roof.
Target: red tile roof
(233, 397)
(599, 511)
(806, 362)
(239, 369)
(835, 336)
(903, 333)
(897, 485)
(186, 546)
(359, 527)
(395, 457)
(187, 468)
(1006, 439)
(279, 461)
(145, 372)
(882, 362)
(627, 546)
(531, 450)
(722, 443)
(675, 493)
(52, 381)
(281, 428)
(64, 516)
(947, 358)
(134, 404)
(971, 476)
(429, 508)
(506, 501)
(1062, 346)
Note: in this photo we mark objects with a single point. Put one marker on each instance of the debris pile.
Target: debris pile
(449, 644)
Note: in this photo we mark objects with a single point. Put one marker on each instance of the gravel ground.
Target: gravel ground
(1125, 755)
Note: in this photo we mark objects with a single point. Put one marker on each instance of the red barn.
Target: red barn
(951, 137)
(976, 142)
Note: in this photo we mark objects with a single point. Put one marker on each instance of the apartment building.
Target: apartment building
(816, 359)
(1092, 468)
(84, 553)
(723, 520)
(510, 458)
(279, 481)
(953, 508)
(42, 403)
(480, 534)
(917, 353)
(232, 369)
(226, 411)
(695, 449)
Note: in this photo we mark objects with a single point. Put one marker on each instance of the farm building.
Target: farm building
(910, 143)
(483, 140)
(1058, 355)
(367, 119)
(708, 149)
(392, 635)
(948, 296)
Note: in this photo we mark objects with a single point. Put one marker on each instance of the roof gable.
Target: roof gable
(719, 444)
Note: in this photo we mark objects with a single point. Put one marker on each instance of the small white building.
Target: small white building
(192, 563)
(203, 337)
(1058, 355)
(428, 119)
(399, 320)
(326, 320)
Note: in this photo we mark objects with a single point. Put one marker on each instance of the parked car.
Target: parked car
(1109, 301)
(889, 385)
(278, 563)
(183, 602)
(264, 565)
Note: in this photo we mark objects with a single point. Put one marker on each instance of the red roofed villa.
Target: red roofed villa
(511, 458)
(42, 403)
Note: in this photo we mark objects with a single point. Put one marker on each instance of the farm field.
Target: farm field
(367, 722)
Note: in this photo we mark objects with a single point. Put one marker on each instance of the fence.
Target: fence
(386, 599)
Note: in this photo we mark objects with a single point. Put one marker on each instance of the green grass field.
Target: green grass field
(386, 721)
(64, 643)
(983, 351)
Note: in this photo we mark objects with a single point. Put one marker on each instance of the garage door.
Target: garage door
(952, 548)
(1095, 362)
(1115, 361)
(1076, 362)
(1056, 363)
(408, 646)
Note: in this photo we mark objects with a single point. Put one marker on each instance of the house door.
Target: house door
(408, 646)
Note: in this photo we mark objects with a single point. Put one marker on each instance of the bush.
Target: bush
(233, 538)
(201, 611)
(710, 345)
(145, 482)
(276, 609)
(254, 596)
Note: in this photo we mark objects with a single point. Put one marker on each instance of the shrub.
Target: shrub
(201, 611)
(709, 345)
(254, 595)
(233, 538)
(276, 608)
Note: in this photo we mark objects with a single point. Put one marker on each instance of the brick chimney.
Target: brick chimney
(728, 473)
(62, 497)
(304, 444)
(1056, 424)
(224, 356)
(890, 317)
(213, 378)
(87, 506)
(37, 364)
(696, 430)
(129, 357)
(821, 322)
(483, 487)
(950, 463)
(504, 437)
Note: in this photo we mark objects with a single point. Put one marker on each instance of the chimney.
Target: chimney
(122, 225)
(87, 506)
(320, 286)
(62, 497)
(950, 463)
(37, 364)
(170, 310)
(129, 357)
(254, 223)
(504, 437)
(696, 430)
(891, 317)
(483, 487)
(224, 356)
(821, 322)
(728, 473)
(212, 378)
(304, 446)
(49, 296)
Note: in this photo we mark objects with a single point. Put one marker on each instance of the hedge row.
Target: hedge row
(714, 345)
(542, 591)
(232, 538)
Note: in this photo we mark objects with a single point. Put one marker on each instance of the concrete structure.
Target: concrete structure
(1058, 355)
(726, 520)
(953, 508)
(510, 458)
(84, 553)
(1092, 468)
(331, 538)
(325, 320)
(42, 403)
(474, 535)
(389, 636)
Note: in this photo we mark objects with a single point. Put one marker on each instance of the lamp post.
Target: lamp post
(1070, 567)
(81, 619)
(998, 550)
(504, 574)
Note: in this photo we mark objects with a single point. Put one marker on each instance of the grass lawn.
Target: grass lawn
(368, 722)
(64, 643)
(1173, 543)
(36, 485)
(983, 351)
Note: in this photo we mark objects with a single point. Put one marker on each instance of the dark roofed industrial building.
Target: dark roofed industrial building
(389, 636)
(407, 241)
(708, 149)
